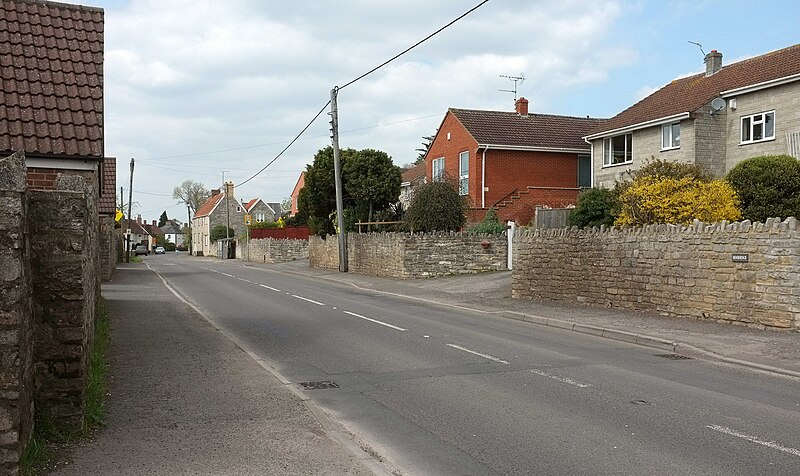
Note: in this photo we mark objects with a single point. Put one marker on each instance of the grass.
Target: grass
(40, 452)
(136, 259)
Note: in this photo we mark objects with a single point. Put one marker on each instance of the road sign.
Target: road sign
(248, 219)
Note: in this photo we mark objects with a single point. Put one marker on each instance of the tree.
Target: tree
(489, 226)
(286, 206)
(192, 193)
(768, 186)
(162, 220)
(595, 207)
(428, 140)
(317, 199)
(219, 232)
(372, 182)
(436, 206)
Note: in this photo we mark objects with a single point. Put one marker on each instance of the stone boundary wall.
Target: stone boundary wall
(16, 315)
(108, 248)
(673, 270)
(418, 255)
(271, 250)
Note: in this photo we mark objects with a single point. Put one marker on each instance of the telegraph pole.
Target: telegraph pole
(337, 171)
(228, 209)
(130, 201)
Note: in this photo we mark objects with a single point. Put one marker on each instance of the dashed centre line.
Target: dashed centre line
(226, 274)
(245, 280)
(754, 439)
(485, 356)
(270, 288)
(559, 378)
(375, 321)
(309, 300)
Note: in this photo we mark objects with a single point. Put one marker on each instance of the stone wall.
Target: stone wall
(16, 315)
(269, 250)
(108, 248)
(64, 253)
(418, 255)
(673, 270)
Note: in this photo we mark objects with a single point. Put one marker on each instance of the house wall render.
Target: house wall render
(420, 255)
(269, 250)
(673, 270)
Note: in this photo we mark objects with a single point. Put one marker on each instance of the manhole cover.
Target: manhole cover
(321, 385)
(674, 356)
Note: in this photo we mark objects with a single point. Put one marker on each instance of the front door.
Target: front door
(584, 171)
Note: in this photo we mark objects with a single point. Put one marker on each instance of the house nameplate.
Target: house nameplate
(740, 257)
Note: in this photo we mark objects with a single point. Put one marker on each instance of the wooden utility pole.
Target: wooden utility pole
(337, 171)
(130, 201)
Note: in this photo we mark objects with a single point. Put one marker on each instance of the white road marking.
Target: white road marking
(226, 274)
(269, 287)
(485, 356)
(561, 379)
(374, 320)
(754, 439)
(309, 300)
(245, 280)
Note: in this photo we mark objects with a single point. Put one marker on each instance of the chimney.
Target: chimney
(229, 190)
(713, 62)
(214, 191)
(522, 106)
(154, 223)
(139, 219)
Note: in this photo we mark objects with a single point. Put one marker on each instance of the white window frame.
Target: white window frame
(668, 139)
(608, 152)
(751, 123)
(261, 216)
(463, 174)
(437, 169)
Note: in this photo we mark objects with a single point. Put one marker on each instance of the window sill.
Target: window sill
(617, 165)
(769, 139)
(667, 149)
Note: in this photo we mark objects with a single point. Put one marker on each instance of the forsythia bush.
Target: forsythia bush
(655, 199)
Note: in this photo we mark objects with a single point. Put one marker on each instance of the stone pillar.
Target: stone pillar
(16, 315)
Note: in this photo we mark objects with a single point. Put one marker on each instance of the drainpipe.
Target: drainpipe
(591, 160)
(483, 177)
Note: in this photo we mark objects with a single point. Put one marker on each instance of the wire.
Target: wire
(414, 45)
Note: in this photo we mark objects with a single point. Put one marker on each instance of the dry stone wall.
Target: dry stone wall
(418, 255)
(675, 270)
(270, 250)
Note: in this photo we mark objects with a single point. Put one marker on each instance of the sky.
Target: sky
(195, 88)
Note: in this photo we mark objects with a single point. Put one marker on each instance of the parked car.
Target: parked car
(160, 250)
(141, 250)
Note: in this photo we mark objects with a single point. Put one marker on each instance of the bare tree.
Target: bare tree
(192, 193)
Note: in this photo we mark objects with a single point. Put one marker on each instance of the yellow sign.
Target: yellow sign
(248, 219)
(118, 216)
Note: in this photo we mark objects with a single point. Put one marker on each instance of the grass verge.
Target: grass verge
(47, 435)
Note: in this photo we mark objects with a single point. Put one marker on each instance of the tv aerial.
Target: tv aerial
(517, 80)
(698, 45)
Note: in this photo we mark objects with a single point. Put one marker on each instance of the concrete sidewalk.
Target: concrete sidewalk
(772, 351)
(186, 400)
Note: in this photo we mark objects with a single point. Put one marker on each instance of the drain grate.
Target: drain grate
(674, 356)
(321, 385)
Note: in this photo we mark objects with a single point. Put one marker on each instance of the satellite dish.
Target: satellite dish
(717, 104)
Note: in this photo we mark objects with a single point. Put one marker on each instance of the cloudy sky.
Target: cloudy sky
(196, 87)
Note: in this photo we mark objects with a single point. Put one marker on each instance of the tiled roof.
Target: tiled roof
(534, 130)
(251, 204)
(691, 93)
(153, 230)
(209, 205)
(414, 173)
(108, 197)
(51, 91)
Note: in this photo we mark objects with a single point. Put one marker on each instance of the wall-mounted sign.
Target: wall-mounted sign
(740, 257)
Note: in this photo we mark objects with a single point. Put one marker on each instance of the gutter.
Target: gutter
(759, 86)
(641, 125)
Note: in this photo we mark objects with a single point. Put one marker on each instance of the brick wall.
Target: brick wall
(16, 315)
(674, 270)
(269, 250)
(419, 255)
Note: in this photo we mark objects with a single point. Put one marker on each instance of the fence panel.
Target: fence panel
(547, 218)
(290, 232)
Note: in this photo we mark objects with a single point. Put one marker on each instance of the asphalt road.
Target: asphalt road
(437, 390)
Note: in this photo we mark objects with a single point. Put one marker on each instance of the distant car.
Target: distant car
(160, 250)
(141, 250)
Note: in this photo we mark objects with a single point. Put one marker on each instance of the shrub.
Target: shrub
(219, 232)
(767, 186)
(662, 168)
(489, 226)
(436, 206)
(678, 201)
(596, 207)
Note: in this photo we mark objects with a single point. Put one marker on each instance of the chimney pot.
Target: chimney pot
(713, 62)
(139, 219)
(214, 191)
(521, 106)
(229, 189)
(154, 223)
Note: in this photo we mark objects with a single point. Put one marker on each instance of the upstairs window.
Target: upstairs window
(758, 127)
(618, 150)
(463, 173)
(670, 136)
(437, 172)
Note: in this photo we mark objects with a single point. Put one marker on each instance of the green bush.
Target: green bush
(767, 186)
(436, 206)
(219, 232)
(596, 207)
(489, 226)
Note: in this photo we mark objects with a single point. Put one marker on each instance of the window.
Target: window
(238, 209)
(758, 127)
(438, 169)
(618, 150)
(670, 136)
(463, 173)
(261, 217)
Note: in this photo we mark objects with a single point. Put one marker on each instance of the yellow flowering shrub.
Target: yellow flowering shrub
(655, 199)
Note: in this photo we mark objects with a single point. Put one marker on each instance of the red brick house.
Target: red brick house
(512, 161)
(301, 182)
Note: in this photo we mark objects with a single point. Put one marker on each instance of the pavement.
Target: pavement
(185, 399)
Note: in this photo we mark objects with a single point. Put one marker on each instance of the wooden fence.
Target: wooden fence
(290, 232)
